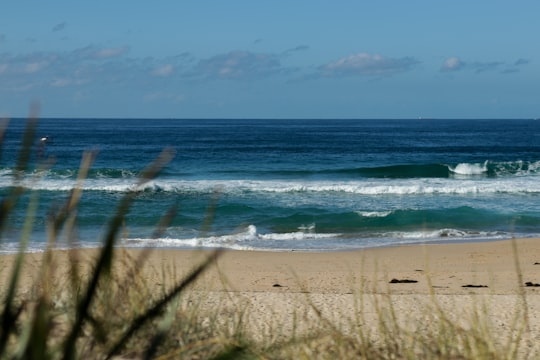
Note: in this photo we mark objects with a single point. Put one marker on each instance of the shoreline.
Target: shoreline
(85, 245)
(444, 268)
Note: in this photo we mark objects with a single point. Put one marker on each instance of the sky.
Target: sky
(270, 59)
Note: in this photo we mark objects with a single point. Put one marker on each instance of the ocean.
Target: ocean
(280, 185)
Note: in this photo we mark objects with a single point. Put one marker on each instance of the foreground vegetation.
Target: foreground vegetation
(108, 310)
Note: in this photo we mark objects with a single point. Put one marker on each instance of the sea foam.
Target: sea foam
(515, 184)
(470, 169)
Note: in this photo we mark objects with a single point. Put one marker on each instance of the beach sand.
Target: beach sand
(298, 291)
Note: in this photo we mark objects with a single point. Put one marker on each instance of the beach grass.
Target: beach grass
(104, 306)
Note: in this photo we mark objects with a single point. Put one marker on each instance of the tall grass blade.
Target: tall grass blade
(158, 308)
(33, 345)
(27, 142)
(67, 217)
(3, 126)
(103, 263)
(162, 330)
(231, 353)
(210, 214)
(164, 222)
(23, 160)
(9, 315)
(68, 212)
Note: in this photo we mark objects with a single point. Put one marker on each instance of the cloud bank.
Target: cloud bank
(93, 69)
(238, 65)
(453, 64)
(365, 64)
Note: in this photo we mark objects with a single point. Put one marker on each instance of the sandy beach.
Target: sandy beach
(458, 279)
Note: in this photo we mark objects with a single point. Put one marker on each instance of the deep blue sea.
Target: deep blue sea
(285, 184)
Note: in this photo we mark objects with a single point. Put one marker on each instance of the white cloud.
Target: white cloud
(452, 64)
(164, 70)
(63, 82)
(34, 67)
(106, 53)
(92, 52)
(43, 70)
(365, 64)
(456, 64)
(238, 65)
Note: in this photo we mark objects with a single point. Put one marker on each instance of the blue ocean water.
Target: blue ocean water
(286, 184)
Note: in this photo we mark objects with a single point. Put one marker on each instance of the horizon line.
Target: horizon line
(267, 118)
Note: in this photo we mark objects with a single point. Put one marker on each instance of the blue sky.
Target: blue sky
(271, 59)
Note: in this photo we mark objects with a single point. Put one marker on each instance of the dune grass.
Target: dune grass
(103, 308)
(103, 315)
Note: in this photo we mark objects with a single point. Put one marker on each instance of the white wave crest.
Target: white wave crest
(298, 235)
(508, 185)
(249, 239)
(517, 168)
(470, 169)
(374, 214)
(446, 233)
(6, 172)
